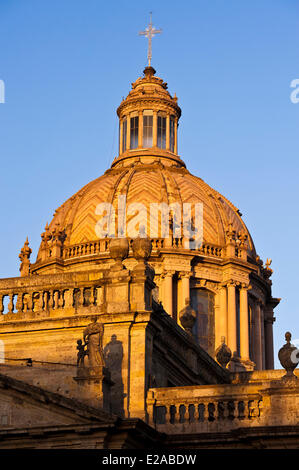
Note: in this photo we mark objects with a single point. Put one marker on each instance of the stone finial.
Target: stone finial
(187, 317)
(25, 259)
(142, 247)
(267, 271)
(230, 233)
(119, 250)
(288, 356)
(223, 353)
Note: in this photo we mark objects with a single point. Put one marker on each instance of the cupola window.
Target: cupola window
(147, 129)
(161, 131)
(134, 132)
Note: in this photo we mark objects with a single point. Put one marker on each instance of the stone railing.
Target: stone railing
(102, 247)
(39, 296)
(204, 408)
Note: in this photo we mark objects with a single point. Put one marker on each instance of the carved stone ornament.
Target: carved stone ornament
(223, 354)
(142, 247)
(119, 250)
(187, 317)
(288, 357)
(25, 259)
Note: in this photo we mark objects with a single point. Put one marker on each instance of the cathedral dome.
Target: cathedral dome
(148, 180)
(148, 170)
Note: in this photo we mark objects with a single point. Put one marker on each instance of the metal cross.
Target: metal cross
(150, 32)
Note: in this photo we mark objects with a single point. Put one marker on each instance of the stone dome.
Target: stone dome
(147, 170)
(148, 180)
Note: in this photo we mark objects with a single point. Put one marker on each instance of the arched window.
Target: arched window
(147, 140)
(161, 131)
(134, 132)
(202, 301)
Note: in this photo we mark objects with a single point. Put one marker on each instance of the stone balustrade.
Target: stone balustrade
(102, 247)
(204, 408)
(37, 297)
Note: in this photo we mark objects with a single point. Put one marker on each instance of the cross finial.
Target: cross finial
(149, 33)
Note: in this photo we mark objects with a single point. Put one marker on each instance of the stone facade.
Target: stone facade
(115, 338)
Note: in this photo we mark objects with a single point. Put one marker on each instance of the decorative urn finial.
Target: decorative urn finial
(119, 250)
(142, 247)
(187, 317)
(223, 353)
(288, 356)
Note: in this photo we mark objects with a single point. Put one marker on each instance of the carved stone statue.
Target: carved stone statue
(93, 338)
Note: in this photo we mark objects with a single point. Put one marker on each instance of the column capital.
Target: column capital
(168, 273)
(183, 274)
(232, 283)
(245, 286)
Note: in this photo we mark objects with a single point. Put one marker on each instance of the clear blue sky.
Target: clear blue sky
(66, 65)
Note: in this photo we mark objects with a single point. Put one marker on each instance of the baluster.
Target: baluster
(51, 300)
(196, 413)
(167, 414)
(56, 299)
(19, 303)
(205, 412)
(61, 299)
(40, 301)
(10, 304)
(92, 296)
(29, 302)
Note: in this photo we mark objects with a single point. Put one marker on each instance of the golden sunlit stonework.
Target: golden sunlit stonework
(122, 339)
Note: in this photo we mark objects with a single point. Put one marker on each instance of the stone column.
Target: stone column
(221, 321)
(128, 132)
(121, 124)
(176, 136)
(269, 320)
(140, 129)
(167, 292)
(231, 317)
(263, 338)
(258, 357)
(244, 324)
(155, 128)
